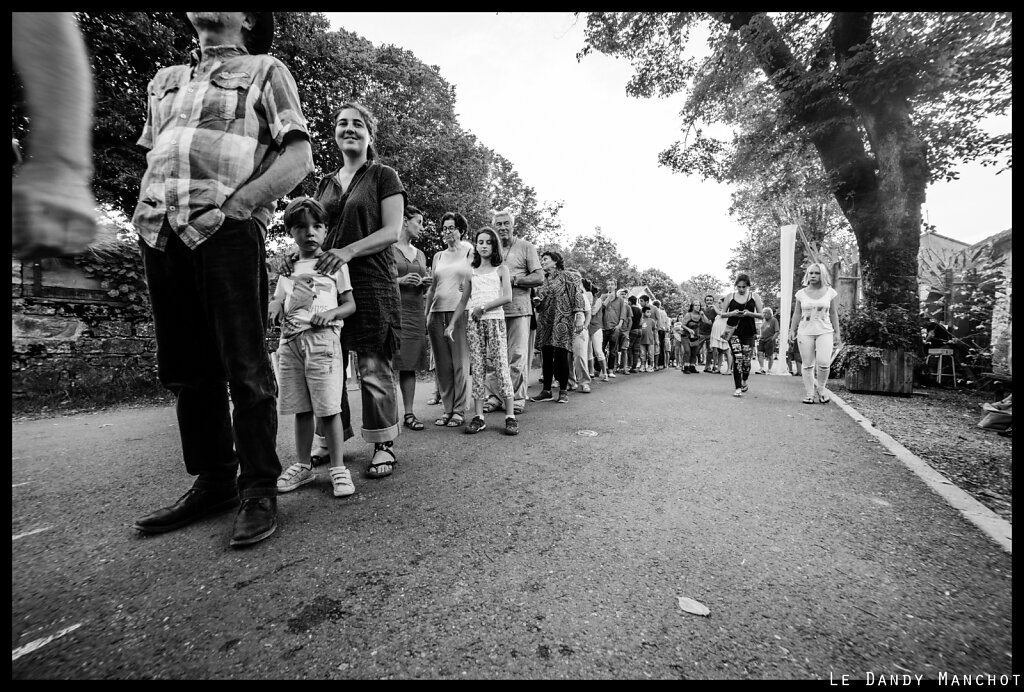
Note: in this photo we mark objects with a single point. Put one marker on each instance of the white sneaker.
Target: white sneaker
(341, 479)
(295, 476)
(612, 374)
(738, 392)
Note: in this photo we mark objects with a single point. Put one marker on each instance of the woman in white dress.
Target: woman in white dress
(719, 343)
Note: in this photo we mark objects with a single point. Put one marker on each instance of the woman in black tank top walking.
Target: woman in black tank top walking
(742, 308)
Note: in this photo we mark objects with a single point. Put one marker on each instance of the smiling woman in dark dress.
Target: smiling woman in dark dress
(365, 201)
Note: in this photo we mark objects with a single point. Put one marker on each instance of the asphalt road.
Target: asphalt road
(550, 555)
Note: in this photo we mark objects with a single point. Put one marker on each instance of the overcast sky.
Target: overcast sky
(574, 135)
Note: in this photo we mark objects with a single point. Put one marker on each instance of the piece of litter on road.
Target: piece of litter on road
(107, 425)
(586, 433)
(888, 454)
(691, 606)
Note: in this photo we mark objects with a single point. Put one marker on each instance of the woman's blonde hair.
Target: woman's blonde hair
(825, 279)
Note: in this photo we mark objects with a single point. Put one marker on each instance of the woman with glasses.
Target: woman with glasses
(451, 356)
(740, 310)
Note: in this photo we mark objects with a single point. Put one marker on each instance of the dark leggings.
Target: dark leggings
(555, 361)
(742, 350)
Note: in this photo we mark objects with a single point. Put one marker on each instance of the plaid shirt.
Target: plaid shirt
(211, 127)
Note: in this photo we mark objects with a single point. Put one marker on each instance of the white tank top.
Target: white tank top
(814, 312)
(486, 288)
(447, 281)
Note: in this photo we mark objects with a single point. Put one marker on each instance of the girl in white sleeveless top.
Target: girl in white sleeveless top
(816, 330)
(488, 288)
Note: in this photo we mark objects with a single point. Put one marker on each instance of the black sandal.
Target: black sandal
(412, 422)
(511, 426)
(374, 469)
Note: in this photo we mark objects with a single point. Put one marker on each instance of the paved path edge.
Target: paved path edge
(990, 523)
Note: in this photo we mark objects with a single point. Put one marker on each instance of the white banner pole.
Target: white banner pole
(787, 248)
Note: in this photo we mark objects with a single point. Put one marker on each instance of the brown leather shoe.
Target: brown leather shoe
(192, 506)
(257, 519)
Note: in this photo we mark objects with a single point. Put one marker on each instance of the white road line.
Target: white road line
(18, 485)
(29, 533)
(39, 643)
(990, 523)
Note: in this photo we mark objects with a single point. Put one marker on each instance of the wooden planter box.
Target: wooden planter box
(892, 374)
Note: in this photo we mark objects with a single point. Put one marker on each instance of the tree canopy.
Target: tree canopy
(888, 102)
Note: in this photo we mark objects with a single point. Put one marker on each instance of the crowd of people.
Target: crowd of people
(227, 140)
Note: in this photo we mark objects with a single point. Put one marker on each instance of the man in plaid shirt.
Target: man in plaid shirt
(227, 139)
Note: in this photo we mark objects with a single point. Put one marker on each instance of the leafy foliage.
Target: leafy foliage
(891, 327)
(597, 257)
(696, 287)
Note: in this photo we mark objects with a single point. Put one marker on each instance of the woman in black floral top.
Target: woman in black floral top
(561, 314)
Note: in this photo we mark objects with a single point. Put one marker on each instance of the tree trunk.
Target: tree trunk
(882, 197)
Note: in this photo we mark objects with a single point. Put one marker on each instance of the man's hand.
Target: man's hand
(237, 209)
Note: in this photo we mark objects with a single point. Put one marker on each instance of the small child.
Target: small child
(648, 341)
(678, 334)
(311, 308)
(488, 287)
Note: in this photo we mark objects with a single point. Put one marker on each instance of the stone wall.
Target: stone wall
(70, 338)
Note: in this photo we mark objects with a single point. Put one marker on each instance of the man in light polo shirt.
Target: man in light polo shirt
(523, 262)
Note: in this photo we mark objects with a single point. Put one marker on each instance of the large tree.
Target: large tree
(890, 102)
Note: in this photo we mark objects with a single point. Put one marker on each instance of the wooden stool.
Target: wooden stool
(942, 354)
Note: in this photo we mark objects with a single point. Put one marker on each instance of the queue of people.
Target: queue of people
(479, 309)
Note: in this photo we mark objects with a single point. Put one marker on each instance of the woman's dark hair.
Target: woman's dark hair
(589, 287)
(411, 211)
(495, 247)
(368, 119)
(299, 208)
(459, 219)
(742, 277)
(556, 257)
(693, 307)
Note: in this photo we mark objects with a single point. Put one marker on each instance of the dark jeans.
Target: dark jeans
(662, 356)
(209, 313)
(555, 361)
(611, 339)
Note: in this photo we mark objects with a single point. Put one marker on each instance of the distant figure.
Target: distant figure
(816, 330)
(451, 356)
(486, 289)
(53, 211)
(414, 280)
(561, 315)
(523, 262)
(766, 340)
(744, 305)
